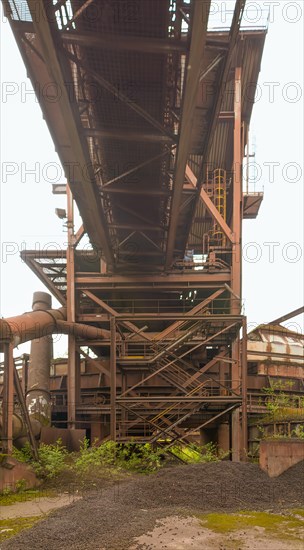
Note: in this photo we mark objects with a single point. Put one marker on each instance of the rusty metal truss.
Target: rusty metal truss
(146, 102)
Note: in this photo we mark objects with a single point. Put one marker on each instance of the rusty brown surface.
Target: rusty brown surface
(139, 212)
(276, 456)
(12, 471)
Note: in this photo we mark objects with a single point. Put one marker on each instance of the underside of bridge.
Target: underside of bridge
(149, 107)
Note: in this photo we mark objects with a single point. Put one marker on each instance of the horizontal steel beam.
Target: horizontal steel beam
(217, 399)
(141, 288)
(196, 277)
(138, 192)
(108, 41)
(215, 39)
(136, 227)
(182, 316)
(139, 253)
(126, 135)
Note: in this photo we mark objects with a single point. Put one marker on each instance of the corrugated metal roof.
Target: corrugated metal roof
(248, 54)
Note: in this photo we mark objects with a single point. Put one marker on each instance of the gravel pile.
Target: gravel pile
(109, 519)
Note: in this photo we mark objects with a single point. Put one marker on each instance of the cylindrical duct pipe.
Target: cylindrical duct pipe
(19, 430)
(30, 325)
(85, 332)
(38, 397)
(40, 323)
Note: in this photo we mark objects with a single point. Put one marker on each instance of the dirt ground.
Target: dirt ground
(39, 506)
(159, 511)
(176, 533)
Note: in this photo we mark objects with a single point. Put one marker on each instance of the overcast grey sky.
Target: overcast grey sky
(273, 244)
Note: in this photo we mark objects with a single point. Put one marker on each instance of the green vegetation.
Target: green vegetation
(298, 432)
(129, 456)
(282, 405)
(280, 526)
(195, 453)
(3, 457)
(11, 527)
(52, 459)
(24, 454)
(111, 457)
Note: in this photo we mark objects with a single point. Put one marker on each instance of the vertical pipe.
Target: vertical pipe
(8, 399)
(124, 387)
(244, 390)
(113, 378)
(70, 258)
(38, 399)
(237, 195)
(71, 389)
(247, 157)
(236, 434)
(25, 414)
(24, 373)
(236, 255)
(73, 383)
(103, 267)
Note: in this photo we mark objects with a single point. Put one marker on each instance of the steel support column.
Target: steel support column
(244, 391)
(24, 380)
(73, 383)
(236, 433)
(237, 194)
(113, 378)
(124, 386)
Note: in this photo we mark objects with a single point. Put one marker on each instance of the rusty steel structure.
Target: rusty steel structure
(147, 103)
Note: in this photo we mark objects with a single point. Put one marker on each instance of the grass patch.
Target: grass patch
(11, 527)
(278, 525)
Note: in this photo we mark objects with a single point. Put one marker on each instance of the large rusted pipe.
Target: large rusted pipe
(38, 397)
(37, 324)
(86, 332)
(29, 326)
(19, 430)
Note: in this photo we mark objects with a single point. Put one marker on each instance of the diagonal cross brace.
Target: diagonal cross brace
(117, 93)
(210, 205)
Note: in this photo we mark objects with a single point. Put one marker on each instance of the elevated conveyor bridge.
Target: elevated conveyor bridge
(147, 102)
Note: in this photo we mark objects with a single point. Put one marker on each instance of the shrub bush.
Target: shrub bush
(128, 456)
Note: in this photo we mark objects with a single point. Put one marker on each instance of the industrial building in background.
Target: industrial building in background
(151, 124)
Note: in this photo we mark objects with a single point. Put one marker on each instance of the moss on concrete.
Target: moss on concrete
(7, 498)
(11, 527)
(283, 526)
